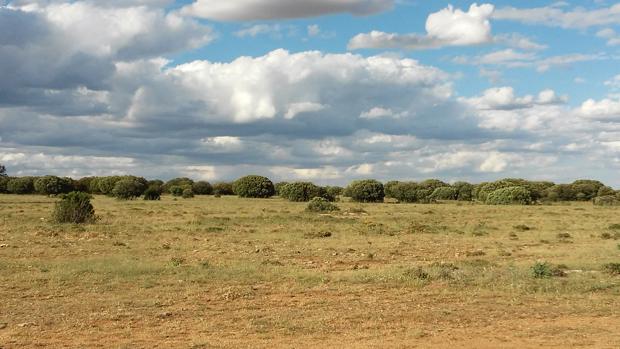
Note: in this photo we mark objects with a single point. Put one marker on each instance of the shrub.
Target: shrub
(52, 185)
(368, 190)
(586, 189)
(560, 192)
(156, 184)
(152, 194)
(303, 191)
(83, 184)
(4, 180)
(223, 188)
(106, 184)
(321, 205)
(74, 207)
(253, 187)
(334, 191)
(21, 185)
(609, 200)
(606, 191)
(279, 187)
(187, 194)
(612, 268)
(543, 270)
(202, 188)
(510, 196)
(128, 188)
(464, 191)
(389, 189)
(176, 190)
(444, 193)
(2, 171)
(182, 182)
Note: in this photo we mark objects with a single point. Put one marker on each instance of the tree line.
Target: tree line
(500, 192)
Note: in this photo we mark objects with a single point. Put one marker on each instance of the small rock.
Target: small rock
(4, 245)
(164, 315)
(27, 324)
(3, 325)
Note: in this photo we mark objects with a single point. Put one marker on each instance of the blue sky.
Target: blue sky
(321, 90)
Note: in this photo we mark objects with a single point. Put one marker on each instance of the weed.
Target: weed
(612, 268)
(177, 261)
(542, 270)
(317, 235)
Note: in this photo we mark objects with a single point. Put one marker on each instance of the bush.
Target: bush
(606, 191)
(368, 190)
(106, 184)
(182, 182)
(334, 191)
(202, 188)
(586, 189)
(304, 191)
(609, 200)
(321, 205)
(187, 194)
(223, 188)
(390, 189)
(152, 194)
(464, 191)
(279, 188)
(444, 193)
(176, 190)
(52, 185)
(74, 207)
(612, 268)
(543, 270)
(4, 180)
(82, 184)
(253, 187)
(510, 196)
(129, 188)
(21, 185)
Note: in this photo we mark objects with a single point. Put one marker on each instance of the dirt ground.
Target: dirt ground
(235, 273)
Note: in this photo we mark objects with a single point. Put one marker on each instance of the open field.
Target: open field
(228, 272)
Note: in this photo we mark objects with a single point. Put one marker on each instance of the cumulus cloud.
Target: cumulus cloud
(249, 10)
(606, 109)
(447, 27)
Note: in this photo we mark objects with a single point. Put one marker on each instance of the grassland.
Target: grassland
(228, 272)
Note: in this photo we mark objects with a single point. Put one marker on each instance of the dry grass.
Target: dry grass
(227, 272)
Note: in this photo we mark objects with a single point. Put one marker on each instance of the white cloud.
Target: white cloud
(248, 10)
(259, 29)
(510, 58)
(314, 30)
(295, 109)
(614, 82)
(556, 16)
(447, 27)
(604, 110)
(613, 38)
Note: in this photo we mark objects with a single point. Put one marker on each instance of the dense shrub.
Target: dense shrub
(129, 188)
(223, 188)
(333, 191)
(253, 187)
(74, 207)
(2, 171)
(606, 191)
(152, 193)
(406, 191)
(389, 189)
(156, 184)
(4, 180)
(586, 189)
(445, 193)
(182, 182)
(368, 190)
(607, 200)
(202, 188)
(560, 192)
(279, 187)
(176, 190)
(82, 184)
(187, 194)
(321, 205)
(21, 185)
(464, 191)
(93, 185)
(52, 185)
(303, 191)
(510, 196)
(106, 184)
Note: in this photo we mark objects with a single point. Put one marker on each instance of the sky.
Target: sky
(320, 90)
